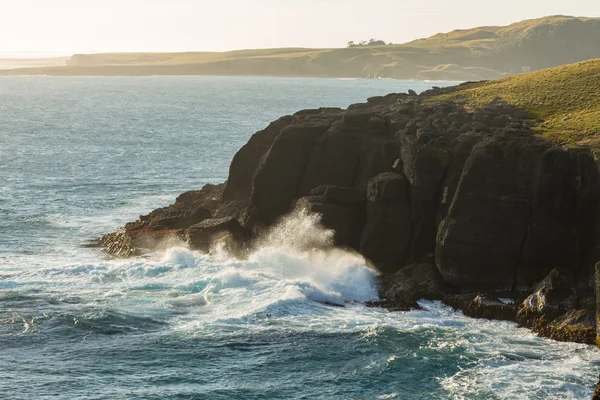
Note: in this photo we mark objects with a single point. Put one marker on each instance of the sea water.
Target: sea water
(80, 156)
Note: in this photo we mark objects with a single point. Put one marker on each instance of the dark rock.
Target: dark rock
(596, 395)
(403, 289)
(488, 219)
(345, 219)
(386, 235)
(425, 155)
(181, 218)
(279, 173)
(482, 306)
(207, 233)
(333, 160)
(553, 296)
(551, 310)
(342, 195)
(577, 326)
(164, 226)
(552, 240)
(412, 92)
(246, 160)
(597, 290)
(356, 120)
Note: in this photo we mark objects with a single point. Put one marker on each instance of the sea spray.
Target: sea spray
(299, 252)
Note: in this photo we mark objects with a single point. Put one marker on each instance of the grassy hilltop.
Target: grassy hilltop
(563, 102)
(472, 54)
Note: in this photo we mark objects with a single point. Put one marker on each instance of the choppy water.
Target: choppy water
(80, 156)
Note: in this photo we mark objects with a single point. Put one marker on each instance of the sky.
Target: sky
(64, 27)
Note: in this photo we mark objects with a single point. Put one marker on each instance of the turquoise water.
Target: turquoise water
(81, 156)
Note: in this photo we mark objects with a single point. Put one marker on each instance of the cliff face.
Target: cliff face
(403, 179)
(446, 200)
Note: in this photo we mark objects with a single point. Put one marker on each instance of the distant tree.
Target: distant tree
(370, 42)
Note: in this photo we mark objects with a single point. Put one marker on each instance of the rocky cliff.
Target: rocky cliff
(470, 204)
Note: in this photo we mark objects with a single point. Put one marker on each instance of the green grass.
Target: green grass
(565, 99)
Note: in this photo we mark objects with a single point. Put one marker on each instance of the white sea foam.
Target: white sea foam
(290, 282)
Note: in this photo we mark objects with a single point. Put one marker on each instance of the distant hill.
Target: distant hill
(471, 54)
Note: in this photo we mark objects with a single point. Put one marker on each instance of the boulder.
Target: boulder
(486, 306)
(402, 290)
(554, 296)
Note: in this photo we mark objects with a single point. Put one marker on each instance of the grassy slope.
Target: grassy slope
(564, 101)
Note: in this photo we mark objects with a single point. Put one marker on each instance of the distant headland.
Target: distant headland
(482, 53)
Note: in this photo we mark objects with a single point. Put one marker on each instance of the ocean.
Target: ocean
(80, 156)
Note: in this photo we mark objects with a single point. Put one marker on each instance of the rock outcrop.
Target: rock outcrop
(552, 310)
(401, 290)
(465, 205)
(469, 206)
(401, 179)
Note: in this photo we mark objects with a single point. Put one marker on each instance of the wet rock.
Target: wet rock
(551, 310)
(596, 395)
(482, 306)
(577, 326)
(402, 290)
(164, 226)
(553, 296)
(210, 232)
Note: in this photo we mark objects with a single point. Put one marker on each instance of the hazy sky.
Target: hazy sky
(69, 26)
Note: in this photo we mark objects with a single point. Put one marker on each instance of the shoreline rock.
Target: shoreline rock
(447, 203)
